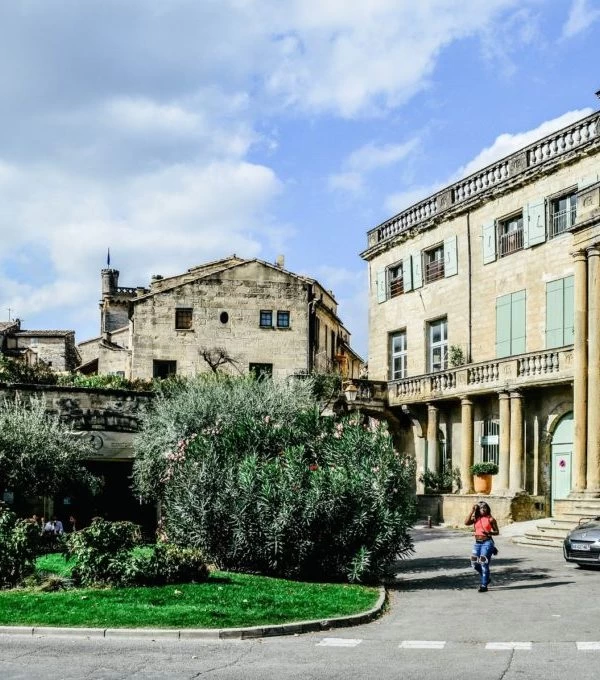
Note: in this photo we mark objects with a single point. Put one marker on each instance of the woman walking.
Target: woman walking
(484, 526)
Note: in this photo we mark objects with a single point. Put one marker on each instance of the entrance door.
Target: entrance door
(562, 452)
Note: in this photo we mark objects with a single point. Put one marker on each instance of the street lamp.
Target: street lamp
(350, 392)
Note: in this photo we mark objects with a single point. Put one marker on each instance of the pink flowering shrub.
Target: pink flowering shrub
(258, 481)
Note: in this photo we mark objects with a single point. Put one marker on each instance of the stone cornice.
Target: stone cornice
(544, 156)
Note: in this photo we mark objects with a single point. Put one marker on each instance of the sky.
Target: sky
(175, 132)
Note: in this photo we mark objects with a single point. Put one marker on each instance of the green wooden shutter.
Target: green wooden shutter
(503, 320)
(518, 323)
(407, 273)
(381, 286)
(450, 257)
(569, 315)
(554, 314)
(417, 271)
(489, 242)
(534, 223)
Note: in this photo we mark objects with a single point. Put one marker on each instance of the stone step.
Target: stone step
(536, 543)
(549, 532)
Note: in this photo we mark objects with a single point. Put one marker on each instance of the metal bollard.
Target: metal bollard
(429, 521)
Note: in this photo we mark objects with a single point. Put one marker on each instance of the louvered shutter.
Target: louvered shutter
(407, 273)
(503, 319)
(518, 323)
(381, 286)
(489, 242)
(534, 223)
(417, 271)
(554, 314)
(450, 257)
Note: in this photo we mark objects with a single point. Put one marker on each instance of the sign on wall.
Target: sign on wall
(110, 445)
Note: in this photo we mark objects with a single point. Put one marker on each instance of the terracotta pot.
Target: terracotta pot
(482, 484)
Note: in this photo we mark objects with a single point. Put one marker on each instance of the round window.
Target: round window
(224, 317)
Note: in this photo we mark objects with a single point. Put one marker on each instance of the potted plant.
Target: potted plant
(482, 476)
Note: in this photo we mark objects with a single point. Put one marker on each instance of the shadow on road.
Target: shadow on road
(433, 574)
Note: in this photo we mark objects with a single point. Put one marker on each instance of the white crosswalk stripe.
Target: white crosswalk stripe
(422, 644)
(508, 645)
(588, 646)
(339, 642)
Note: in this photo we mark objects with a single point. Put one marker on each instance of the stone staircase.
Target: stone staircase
(551, 532)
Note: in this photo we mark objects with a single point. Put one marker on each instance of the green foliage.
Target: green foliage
(487, 468)
(166, 563)
(19, 542)
(102, 381)
(103, 553)
(442, 481)
(326, 386)
(456, 356)
(249, 473)
(38, 452)
(14, 371)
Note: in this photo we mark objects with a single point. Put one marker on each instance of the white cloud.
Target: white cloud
(366, 159)
(581, 16)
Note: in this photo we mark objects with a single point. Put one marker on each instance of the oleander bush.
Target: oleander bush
(166, 563)
(250, 473)
(19, 544)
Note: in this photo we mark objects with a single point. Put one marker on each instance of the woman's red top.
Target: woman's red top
(482, 525)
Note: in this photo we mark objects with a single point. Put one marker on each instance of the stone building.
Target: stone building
(240, 315)
(55, 348)
(484, 327)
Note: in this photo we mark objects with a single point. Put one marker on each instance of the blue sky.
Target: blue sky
(178, 131)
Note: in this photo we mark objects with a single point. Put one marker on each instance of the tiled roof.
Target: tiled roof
(43, 334)
(7, 325)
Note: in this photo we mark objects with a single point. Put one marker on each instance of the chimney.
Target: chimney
(280, 262)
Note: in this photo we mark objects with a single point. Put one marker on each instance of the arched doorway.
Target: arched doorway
(562, 453)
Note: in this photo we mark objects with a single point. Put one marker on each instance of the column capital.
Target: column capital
(432, 407)
(579, 255)
(593, 251)
(503, 394)
(465, 400)
(515, 394)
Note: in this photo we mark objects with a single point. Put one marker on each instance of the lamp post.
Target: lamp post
(350, 392)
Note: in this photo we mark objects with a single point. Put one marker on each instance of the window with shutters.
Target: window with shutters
(437, 344)
(559, 312)
(510, 324)
(398, 355)
(510, 235)
(563, 211)
(434, 264)
(395, 280)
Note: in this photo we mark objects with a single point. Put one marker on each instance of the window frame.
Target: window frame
(517, 235)
(441, 344)
(186, 313)
(156, 363)
(434, 269)
(280, 313)
(395, 284)
(402, 355)
(570, 212)
(263, 314)
(261, 370)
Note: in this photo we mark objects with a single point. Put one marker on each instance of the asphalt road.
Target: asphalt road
(539, 620)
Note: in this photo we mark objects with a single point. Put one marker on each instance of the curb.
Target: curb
(294, 628)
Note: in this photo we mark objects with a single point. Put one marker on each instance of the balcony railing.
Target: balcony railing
(509, 373)
(577, 136)
(561, 221)
(397, 286)
(434, 270)
(510, 242)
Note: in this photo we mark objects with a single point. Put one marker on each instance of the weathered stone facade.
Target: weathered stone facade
(259, 316)
(55, 348)
(474, 308)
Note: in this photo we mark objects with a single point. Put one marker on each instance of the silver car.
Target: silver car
(582, 544)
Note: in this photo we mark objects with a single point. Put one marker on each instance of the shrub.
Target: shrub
(486, 468)
(168, 563)
(19, 542)
(442, 481)
(104, 553)
(251, 475)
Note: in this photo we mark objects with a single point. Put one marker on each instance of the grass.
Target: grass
(225, 600)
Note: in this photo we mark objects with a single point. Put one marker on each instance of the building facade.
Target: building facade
(54, 348)
(484, 319)
(234, 315)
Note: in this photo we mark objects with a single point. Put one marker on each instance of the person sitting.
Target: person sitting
(54, 527)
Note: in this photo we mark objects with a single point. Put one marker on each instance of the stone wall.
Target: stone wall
(226, 310)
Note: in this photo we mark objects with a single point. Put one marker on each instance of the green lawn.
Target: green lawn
(225, 600)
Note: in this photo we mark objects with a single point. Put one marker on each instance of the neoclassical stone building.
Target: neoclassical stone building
(484, 326)
(254, 315)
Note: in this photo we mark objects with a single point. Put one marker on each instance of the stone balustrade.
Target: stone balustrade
(535, 368)
(546, 150)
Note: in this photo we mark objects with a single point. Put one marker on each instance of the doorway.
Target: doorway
(562, 454)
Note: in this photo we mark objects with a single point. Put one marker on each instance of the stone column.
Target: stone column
(593, 412)
(466, 442)
(580, 369)
(433, 419)
(504, 447)
(516, 443)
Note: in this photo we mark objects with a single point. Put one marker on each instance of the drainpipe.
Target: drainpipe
(469, 283)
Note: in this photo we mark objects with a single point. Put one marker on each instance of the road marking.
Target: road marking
(422, 644)
(508, 645)
(339, 642)
(587, 646)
